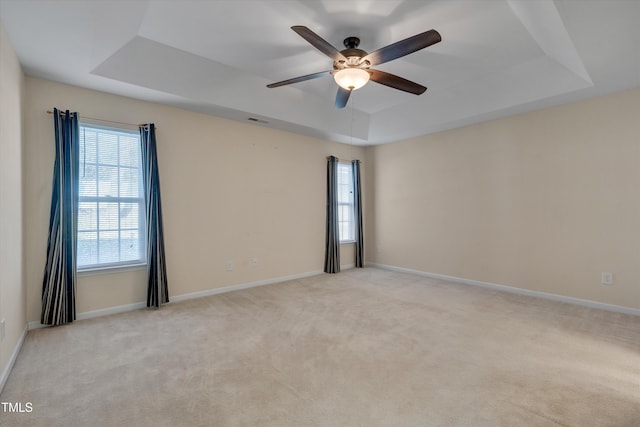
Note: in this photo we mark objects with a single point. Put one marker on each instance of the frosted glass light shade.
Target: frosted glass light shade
(351, 78)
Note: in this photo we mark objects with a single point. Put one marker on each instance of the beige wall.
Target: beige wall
(544, 201)
(12, 289)
(230, 191)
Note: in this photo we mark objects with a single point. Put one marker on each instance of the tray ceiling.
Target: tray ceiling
(496, 58)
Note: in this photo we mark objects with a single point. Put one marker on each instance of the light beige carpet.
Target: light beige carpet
(365, 347)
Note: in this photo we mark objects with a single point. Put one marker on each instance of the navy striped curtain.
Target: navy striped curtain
(59, 283)
(332, 250)
(157, 287)
(357, 213)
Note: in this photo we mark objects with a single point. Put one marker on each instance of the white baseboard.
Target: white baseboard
(12, 359)
(238, 287)
(514, 290)
(97, 313)
(142, 304)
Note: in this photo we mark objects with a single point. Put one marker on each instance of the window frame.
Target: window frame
(349, 204)
(141, 261)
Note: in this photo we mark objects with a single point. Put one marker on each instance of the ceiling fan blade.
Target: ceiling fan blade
(319, 43)
(342, 97)
(403, 47)
(299, 79)
(396, 82)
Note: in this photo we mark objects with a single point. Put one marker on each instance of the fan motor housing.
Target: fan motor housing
(352, 53)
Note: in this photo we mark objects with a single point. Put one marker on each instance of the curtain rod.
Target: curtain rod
(107, 121)
(328, 157)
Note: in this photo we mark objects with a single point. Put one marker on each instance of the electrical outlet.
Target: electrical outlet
(607, 278)
(254, 262)
(2, 329)
(229, 265)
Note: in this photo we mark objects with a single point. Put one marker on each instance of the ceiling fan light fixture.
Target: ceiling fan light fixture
(351, 78)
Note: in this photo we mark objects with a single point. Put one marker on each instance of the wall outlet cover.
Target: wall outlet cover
(607, 278)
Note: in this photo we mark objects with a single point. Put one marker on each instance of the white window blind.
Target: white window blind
(345, 202)
(111, 209)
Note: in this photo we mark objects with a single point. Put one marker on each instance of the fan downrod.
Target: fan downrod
(352, 53)
(351, 42)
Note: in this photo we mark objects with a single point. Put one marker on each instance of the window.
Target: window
(345, 202)
(111, 208)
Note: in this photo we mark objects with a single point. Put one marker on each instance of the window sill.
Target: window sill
(347, 242)
(111, 269)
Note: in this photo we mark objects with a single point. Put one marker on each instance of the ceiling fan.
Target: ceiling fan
(351, 65)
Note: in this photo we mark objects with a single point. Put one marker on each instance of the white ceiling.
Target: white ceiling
(496, 58)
